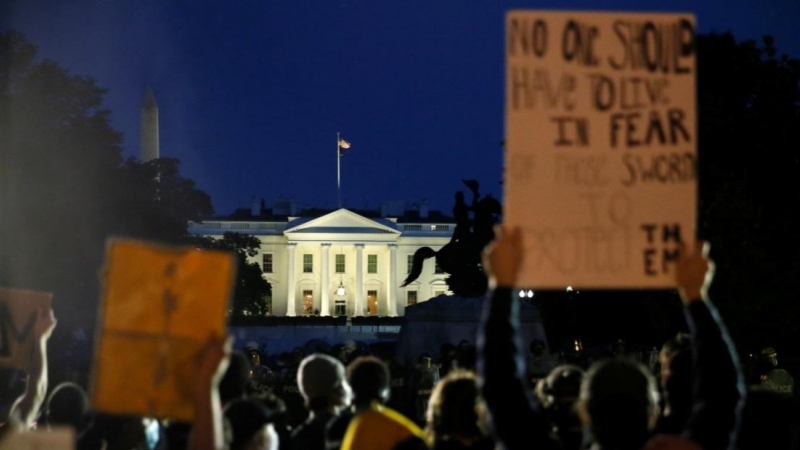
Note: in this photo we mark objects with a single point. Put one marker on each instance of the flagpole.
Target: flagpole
(338, 170)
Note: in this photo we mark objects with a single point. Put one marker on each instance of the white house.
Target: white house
(341, 262)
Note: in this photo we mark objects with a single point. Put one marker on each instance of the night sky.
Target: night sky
(252, 93)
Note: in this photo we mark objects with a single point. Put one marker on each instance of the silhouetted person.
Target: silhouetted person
(676, 382)
(251, 426)
(68, 405)
(618, 402)
(326, 393)
(558, 394)
(370, 424)
(770, 420)
(456, 416)
(540, 362)
(234, 384)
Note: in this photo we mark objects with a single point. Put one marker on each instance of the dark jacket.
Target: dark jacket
(519, 422)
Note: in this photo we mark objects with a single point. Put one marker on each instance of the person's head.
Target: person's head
(466, 356)
(369, 379)
(558, 393)
(769, 356)
(67, 405)
(447, 352)
(250, 426)
(297, 355)
(456, 407)
(253, 353)
(618, 349)
(277, 407)
(537, 347)
(618, 402)
(681, 341)
(322, 382)
(234, 383)
(561, 385)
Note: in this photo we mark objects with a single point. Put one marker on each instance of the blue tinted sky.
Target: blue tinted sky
(251, 93)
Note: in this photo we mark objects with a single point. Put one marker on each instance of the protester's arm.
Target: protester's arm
(718, 384)
(207, 429)
(516, 418)
(26, 407)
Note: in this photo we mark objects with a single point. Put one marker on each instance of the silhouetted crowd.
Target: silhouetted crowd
(496, 393)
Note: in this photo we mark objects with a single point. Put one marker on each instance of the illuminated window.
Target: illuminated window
(308, 302)
(308, 263)
(372, 263)
(411, 298)
(372, 302)
(339, 263)
(266, 263)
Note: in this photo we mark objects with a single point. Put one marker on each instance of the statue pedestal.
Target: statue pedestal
(450, 319)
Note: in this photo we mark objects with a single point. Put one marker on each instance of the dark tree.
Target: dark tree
(749, 149)
(161, 199)
(65, 189)
(252, 291)
(58, 154)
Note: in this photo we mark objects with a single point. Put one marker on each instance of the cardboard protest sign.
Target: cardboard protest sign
(159, 308)
(18, 311)
(54, 438)
(601, 145)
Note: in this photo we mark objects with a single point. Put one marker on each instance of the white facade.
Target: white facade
(311, 256)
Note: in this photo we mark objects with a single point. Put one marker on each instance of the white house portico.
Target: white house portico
(340, 262)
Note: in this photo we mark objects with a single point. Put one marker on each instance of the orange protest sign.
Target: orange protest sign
(18, 311)
(160, 306)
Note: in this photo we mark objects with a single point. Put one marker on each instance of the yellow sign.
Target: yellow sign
(601, 145)
(160, 306)
(18, 312)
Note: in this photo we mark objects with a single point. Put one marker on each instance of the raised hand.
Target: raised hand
(694, 272)
(502, 257)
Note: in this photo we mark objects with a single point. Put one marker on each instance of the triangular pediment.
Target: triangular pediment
(341, 221)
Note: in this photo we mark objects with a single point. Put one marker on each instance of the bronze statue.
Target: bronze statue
(461, 257)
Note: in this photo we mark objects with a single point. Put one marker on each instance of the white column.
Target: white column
(359, 287)
(324, 306)
(391, 281)
(291, 301)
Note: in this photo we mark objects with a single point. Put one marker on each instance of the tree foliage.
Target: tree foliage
(59, 154)
(749, 121)
(66, 189)
(252, 291)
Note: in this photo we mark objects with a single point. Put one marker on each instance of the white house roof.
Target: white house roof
(341, 224)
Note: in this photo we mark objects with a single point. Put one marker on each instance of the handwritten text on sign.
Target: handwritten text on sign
(18, 311)
(601, 147)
